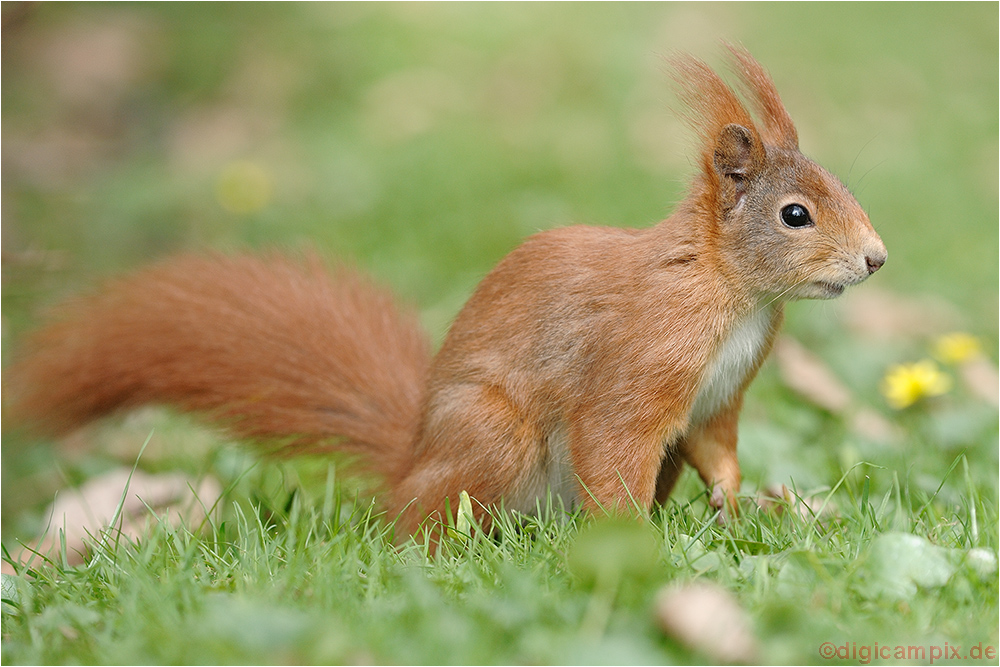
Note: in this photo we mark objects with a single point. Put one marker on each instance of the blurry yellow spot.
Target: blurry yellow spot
(956, 348)
(243, 187)
(905, 384)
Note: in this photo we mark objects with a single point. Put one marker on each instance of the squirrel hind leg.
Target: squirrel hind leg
(475, 440)
(670, 471)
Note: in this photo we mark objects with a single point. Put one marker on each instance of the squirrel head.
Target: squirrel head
(780, 225)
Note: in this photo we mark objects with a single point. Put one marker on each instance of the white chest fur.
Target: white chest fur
(733, 360)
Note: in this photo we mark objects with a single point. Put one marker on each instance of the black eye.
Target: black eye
(795, 215)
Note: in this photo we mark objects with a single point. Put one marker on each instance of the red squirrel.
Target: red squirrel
(591, 363)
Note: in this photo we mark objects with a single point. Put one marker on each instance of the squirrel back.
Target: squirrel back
(591, 363)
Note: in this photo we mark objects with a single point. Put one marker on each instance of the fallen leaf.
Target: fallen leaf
(983, 562)
(96, 63)
(779, 497)
(707, 619)
(11, 596)
(881, 314)
(799, 576)
(899, 563)
(84, 514)
(807, 375)
(982, 379)
(873, 426)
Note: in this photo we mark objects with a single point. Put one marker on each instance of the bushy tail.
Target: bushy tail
(274, 349)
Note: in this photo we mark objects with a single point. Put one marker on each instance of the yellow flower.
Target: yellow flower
(905, 384)
(956, 348)
(243, 187)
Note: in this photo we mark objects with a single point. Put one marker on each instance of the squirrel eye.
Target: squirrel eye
(795, 215)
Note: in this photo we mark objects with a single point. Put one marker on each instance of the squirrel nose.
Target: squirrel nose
(874, 262)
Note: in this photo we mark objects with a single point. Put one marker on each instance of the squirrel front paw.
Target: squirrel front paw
(725, 502)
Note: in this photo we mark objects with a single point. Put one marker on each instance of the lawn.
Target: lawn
(422, 142)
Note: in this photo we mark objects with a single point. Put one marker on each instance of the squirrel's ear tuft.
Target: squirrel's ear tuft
(732, 149)
(776, 127)
(711, 103)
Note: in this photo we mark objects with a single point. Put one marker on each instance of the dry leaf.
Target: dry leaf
(708, 619)
(981, 377)
(873, 426)
(779, 497)
(82, 514)
(98, 62)
(881, 314)
(806, 374)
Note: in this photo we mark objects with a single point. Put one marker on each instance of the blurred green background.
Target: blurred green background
(425, 141)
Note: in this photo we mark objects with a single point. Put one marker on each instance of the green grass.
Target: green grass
(322, 582)
(423, 142)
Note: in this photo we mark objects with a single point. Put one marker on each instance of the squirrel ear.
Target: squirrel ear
(739, 154)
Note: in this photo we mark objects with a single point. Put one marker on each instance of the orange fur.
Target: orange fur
(778, 128)
(275, 349)
(590, 362)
